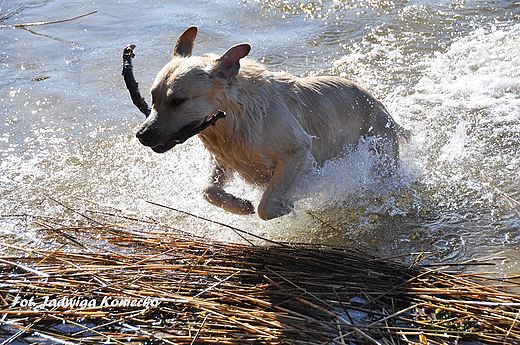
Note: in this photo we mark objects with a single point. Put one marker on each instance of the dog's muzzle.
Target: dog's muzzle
(149, 136)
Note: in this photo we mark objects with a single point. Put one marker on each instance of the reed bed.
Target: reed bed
(137, 281)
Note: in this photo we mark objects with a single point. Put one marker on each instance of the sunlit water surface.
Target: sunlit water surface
(447, 70)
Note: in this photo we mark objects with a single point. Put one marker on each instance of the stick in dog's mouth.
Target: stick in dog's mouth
(189, 131)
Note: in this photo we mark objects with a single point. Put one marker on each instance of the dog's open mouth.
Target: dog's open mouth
(188, 131)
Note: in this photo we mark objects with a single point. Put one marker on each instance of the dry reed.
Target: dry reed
(135, 281)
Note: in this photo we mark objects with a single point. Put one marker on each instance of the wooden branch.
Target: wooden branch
(45, 23)
(131, 84)
(140, 102)
(208, 121)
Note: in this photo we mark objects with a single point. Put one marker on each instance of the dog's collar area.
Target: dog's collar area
(189, 131)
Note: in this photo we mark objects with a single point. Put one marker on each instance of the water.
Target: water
(447, 70)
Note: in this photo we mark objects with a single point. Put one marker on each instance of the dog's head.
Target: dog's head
(184, 92)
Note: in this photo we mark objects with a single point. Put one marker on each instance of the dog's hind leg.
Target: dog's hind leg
(215, 194)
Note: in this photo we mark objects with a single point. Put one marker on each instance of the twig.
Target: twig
(140, 102)
(25, 268)
(131, 84)
(194, 129)
(67, 236)
(418, 258)
(198, 331)
(192, 267)
(216, 284)
(22, 330)
(342, 305)
(152, 257)
(84, 327)
(339, 319)
(135, 329)
(53, 339)
(47, 23)
(73, 210)
(510, 328)
(51, 254)
(223, 224)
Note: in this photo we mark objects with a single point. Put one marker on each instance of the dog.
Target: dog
(276, 125)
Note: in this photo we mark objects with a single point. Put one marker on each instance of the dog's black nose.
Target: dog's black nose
(146, 137)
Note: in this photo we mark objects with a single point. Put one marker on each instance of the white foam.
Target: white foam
(478, 72)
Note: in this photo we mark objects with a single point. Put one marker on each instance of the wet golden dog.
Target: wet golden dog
(276, 125)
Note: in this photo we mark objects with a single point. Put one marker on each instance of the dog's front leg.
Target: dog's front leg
(289, 169)
(215, 194)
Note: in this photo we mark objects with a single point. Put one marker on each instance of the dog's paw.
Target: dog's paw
(274, 209)
(228, 201)
(244, 206)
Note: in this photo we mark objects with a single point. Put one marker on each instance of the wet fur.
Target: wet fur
(276, 124)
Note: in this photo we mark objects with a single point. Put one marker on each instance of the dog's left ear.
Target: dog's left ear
(228, 65)
(184, 45)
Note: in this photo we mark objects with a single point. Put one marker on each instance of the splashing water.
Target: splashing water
(447, 71)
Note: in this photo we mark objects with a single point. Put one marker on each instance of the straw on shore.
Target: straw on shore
(134, 281)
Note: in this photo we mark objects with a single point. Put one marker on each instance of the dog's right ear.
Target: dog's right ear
(184, 45)
(227, 65)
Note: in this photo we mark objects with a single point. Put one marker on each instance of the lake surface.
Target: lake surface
(447, 70)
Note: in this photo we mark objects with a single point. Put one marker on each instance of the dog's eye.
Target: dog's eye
(175, 102)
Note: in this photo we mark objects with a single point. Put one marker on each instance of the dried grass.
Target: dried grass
(201, 291)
